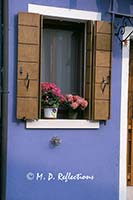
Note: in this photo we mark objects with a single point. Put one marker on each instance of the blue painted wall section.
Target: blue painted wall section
(31, 161)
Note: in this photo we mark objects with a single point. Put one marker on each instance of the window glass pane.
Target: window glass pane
(61, 59)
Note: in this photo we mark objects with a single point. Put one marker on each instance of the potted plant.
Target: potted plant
(75, 104)
(50, 99)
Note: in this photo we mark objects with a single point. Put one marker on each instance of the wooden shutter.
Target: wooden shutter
(102, 71)
(28, 73)
(98, 69)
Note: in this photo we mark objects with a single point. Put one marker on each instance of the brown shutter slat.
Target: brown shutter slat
(28, 83)
(28, 53)
(23, 37)
(101, 71)
(27, 107)
(29, 19)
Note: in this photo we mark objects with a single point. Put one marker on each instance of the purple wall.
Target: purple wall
(90, 152)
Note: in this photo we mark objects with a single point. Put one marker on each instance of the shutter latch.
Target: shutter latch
(21, 70)
(27, 81)
(105, 82)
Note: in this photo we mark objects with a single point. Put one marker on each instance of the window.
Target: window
(62, 60)
(93, 81)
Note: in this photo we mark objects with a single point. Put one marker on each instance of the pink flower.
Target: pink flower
(75, 101)
(74, 105)
(56, 91)
(84, 104)
(79, 101)
(69, 97)
(51, 94)
(62, 99)
(75, 98)
(45, 86)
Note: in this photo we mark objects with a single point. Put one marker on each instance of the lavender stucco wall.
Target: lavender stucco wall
(90, 152)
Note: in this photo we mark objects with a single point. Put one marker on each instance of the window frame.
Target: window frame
(73, 15)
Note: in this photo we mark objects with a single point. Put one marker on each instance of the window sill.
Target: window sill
(62, 124)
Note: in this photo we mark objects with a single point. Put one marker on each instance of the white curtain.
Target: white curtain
(61, 59)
